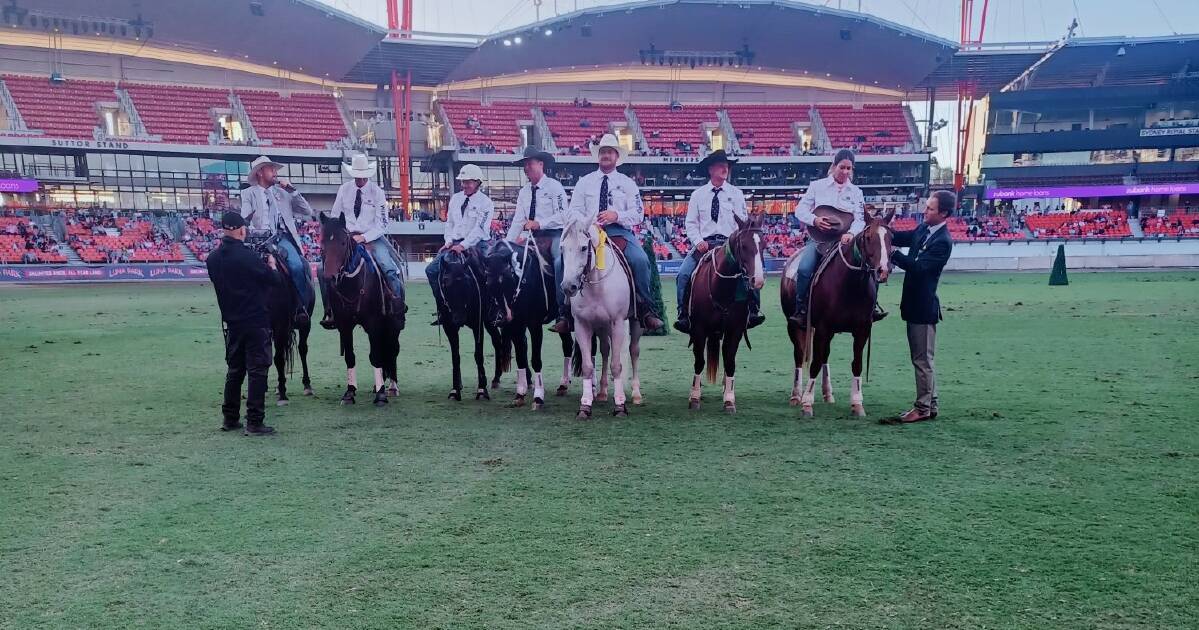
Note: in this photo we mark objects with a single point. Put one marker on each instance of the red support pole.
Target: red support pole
(393, 15)
(405, 150)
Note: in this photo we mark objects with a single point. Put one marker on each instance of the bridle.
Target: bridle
(859, 255)
(729, 254)
(335, 285)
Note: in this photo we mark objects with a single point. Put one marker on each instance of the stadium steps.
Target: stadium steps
(71, 255)
(1134, 225)
(189, 257)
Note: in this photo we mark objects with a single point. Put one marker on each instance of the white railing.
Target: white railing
(247, 127)
(732, 144)
(16, 122)
(543, 130)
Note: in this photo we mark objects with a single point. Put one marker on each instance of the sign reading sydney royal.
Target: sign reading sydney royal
(1079, 192)
(1154, 132)
(18, 185)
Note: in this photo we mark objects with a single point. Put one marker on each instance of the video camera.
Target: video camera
(265, 242)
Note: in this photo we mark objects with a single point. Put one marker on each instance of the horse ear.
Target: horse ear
(341, 220)
(740, 224)
(887, 217)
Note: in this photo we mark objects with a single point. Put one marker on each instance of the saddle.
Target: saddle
(615, 245)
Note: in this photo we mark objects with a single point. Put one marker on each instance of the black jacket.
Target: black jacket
(920, 304)
(242, 282)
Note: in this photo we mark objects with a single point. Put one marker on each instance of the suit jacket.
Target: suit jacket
(923, 264)
(263, 207)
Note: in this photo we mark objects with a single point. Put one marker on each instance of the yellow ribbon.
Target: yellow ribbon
(601, 251)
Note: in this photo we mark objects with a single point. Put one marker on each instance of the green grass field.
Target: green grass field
(1059, 489)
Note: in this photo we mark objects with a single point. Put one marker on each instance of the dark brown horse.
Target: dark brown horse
(720, 305)
(286, 336)
(356, 298)
(844, 292)
(465, 296)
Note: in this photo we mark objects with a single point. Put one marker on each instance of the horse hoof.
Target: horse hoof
(495, 384)
(730, 408)
(807, 411)
(519, 401)
(858, 410)
(693, 404)
(381, 401)
(637, 400)
(348, 401)
(455, 395)
(601, 397)
(538, 404)
(830, 399)
(393, 391)
(621, 411)
(482, 395)
(794, 401)
(282, 402)
(562, 390)
(584, 413)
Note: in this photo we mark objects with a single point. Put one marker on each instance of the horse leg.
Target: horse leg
(855, 393)
(535, 338)
(481, 392)
(451, 334)
(615, 355)
(809, 390)
(377, 359)
(797, 352)
(347, 350)
(732, 340)
(281, 343)
(826, 384)
(521, 347)
(635, 360)
(587, 369)
(303, 349)
(501, 362)
(604, 342)
(567, 360)
(698, 344)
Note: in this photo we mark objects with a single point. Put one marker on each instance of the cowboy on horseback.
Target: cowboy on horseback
(712, 215)
(612, 199)
(541, 211)
(467, 223)
(836, 191)
(364, 206)
(271, 205)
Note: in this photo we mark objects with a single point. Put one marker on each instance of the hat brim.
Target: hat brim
(622, 153)
(542, 156)
(703, 165)
(369, 172)
(255, 169)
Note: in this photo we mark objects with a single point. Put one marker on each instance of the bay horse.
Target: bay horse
(465, 297)
(520, 290)
(356, 298)
(600, 289)
(719, 306)
(843, 294)
(286, 336)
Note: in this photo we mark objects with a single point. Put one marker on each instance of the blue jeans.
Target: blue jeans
(808, 259)
(385, 256)
(555, 237)
(298, 269)
(638, 262)
(683, 280)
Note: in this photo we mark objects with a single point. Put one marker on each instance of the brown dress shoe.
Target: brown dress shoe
(915, 415)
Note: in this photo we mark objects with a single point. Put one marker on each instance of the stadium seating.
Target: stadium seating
(101, 239)
(178, 114)
(874, 128)
(1083, 224)
(301, 121)
(668, 130)
(484, 126)
(566, 123)
(1177, 224)
(767, 129)
(67, 110)
(23, 242)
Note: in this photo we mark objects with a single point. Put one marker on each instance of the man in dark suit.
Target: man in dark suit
(929, 247)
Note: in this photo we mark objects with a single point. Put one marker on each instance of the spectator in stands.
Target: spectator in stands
(541, 207)
(467, 220)
(612, 199)
(362, 206)
(712, 215)
(271, 204)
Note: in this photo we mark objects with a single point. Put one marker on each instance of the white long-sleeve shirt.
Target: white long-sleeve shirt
(826, 192)
(699, 224)
(624, 198)
(372, 218)
(472, 224)
(551, 207)
(266, 208)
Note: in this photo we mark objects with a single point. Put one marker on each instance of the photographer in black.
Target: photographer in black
(242, 282)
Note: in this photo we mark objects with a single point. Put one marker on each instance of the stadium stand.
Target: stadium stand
(23, 242)
(574, 127)
(1178, 224)
(179, 114)
(767, 129)
(493, 127)
(1083, 224)
(873, 128)
(675, 131)
(301, 120)
(62, 111)
(105, 238)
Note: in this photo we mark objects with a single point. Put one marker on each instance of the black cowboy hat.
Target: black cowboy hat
(714, 157)
(532, 153)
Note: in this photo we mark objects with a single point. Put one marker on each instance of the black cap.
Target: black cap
(232, 221)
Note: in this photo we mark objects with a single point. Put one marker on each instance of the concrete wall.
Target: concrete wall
(1039, 255)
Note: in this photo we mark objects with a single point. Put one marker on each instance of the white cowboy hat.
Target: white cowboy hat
(610, 141)
(470, 171)
(360, 167)
(258, 163)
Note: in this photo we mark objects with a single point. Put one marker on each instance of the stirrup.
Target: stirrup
(327, 322)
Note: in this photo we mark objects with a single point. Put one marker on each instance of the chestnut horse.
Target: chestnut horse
(843, 294)
(720, 305)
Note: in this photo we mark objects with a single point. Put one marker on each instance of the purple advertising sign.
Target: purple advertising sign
(1122, 190)
(18, 185)
(90, 273)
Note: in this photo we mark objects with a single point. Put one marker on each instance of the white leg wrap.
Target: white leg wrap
(522, 382)
(797, 386)
(352, 377)
(538, 386)
(696, 387)
(729, 396)
(826, 381)
(855, 395)
(567, 365)
(378, 379)
(809, 393)
(588, 392)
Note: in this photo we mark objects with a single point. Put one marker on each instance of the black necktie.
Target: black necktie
(465, 202)
(533, 206)
(358, 203)
(715, 205)
(604, 195)
(920, 242)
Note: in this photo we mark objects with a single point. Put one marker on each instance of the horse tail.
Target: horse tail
(577, 360)
(503, 352)
(713, 360)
